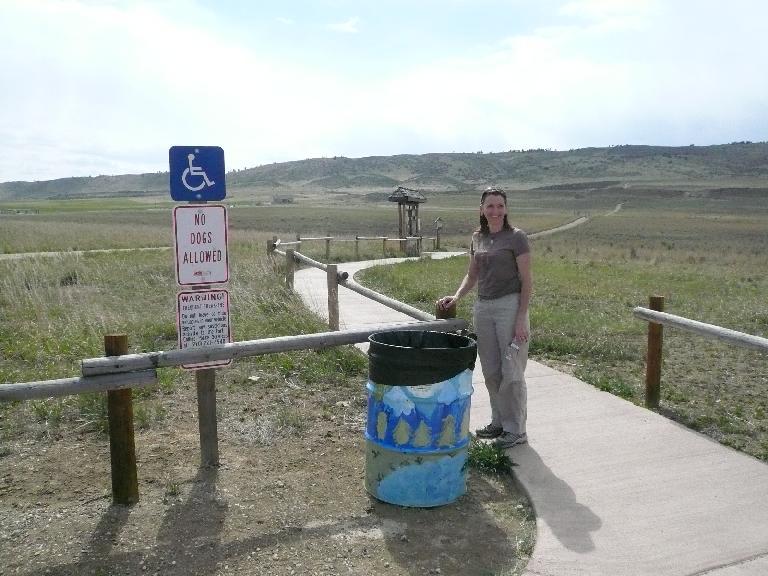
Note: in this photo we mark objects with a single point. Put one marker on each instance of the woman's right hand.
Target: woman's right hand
(446, 302)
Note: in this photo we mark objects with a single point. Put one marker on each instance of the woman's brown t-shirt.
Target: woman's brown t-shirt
(496, 258)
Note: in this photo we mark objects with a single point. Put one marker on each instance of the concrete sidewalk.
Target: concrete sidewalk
(617, 489)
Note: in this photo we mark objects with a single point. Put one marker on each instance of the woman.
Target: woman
(500, 266)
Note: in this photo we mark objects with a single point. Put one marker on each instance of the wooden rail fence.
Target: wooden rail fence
(411, 245)
(118, 372)
(657, 318)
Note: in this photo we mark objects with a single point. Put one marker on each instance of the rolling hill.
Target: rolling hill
(733, 166)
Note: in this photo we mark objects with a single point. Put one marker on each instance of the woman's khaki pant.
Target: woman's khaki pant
(504, 372)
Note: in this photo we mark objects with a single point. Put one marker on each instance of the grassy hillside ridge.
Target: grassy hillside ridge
(86, 187)
(727, 166)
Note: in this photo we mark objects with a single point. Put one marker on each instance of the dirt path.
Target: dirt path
(619, 206)
(578, 222)
(568, 226)
(20, 255)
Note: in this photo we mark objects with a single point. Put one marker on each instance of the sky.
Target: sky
(91, 88)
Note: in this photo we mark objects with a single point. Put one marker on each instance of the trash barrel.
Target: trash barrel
(417, 430)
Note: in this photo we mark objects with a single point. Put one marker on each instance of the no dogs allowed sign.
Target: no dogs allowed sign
(200, 232)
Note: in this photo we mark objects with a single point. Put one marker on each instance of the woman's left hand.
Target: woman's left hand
(521, 332)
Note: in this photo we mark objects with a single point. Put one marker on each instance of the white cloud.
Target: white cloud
(107, 88)
(614, 10)
(349, 26)
(587, 84)
(134, 81)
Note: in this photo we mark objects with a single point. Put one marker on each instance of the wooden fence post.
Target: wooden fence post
(437, 239)
(271, 245)
(327, 249)
(444, 314)
(122, 450)
(653, 359)
(205, 379)
(384, 245)
(290, 264)
(298, 240)
(333, 296)
(357, 247)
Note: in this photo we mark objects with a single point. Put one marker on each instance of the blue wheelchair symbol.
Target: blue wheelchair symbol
(197, 173)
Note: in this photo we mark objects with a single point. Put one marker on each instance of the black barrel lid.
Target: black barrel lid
(418, 357)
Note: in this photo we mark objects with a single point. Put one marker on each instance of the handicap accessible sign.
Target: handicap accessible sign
(197, 173)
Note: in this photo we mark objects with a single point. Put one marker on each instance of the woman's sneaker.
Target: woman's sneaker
(489, 432)
(509, 439)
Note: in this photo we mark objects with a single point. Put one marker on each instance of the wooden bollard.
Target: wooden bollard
(327, 249)
(357, 248)
(653, 358)
(290, 265)
(333, 296)
(271, 245)
(122, 449)
(444, 314)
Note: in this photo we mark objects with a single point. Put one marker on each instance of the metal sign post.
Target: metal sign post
(200, 236)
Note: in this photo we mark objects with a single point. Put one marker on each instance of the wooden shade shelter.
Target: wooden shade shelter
(407, 210)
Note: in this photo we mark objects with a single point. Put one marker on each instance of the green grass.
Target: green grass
(55, 311)
(487, 457)
(710, 263)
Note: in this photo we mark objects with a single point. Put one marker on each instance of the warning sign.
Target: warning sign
(202, 318)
